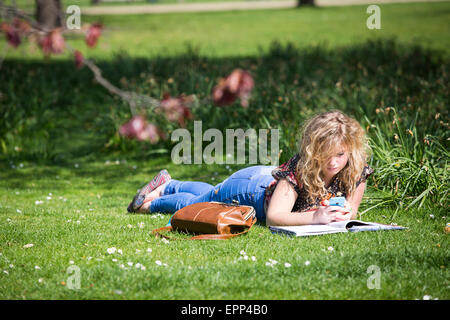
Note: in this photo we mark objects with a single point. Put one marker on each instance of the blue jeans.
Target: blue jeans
(247, 186)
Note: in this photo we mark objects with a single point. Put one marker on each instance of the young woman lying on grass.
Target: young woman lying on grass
(331, 162)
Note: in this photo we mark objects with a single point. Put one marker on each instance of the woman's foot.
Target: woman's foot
(150, 188)
(145, 208)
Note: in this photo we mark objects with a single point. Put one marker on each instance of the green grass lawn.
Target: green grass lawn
(242, 33)
(66, 177)
(83, 213)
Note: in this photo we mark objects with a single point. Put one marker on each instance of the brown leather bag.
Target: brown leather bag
(211, 220)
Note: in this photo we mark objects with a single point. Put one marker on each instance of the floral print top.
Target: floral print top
(303, 203)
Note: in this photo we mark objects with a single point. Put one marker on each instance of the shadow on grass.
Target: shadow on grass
(110, 178)
(52, 113)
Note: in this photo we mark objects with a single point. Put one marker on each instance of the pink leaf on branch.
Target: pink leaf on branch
(21, 25)
(15, 32)
(176, 108)
(93, 33)
(138, 128)
(238, 84)
(53, 42)
(79, 59)
(12, 34)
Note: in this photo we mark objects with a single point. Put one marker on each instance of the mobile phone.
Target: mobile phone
(337, 201)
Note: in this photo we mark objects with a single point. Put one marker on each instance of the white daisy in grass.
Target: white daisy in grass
(159, 263)
(271, 262)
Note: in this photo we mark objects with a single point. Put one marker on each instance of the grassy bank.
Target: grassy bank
(242, 33)
(83, 213)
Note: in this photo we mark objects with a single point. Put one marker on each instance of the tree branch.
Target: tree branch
(132, 98)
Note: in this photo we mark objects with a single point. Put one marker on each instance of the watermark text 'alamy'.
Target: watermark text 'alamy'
(213, 152)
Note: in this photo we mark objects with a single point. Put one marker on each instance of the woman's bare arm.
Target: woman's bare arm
(280, 206)
(283, 199)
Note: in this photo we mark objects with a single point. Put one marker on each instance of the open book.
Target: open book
(333, 227)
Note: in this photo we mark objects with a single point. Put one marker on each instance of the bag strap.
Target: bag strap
(157, 233)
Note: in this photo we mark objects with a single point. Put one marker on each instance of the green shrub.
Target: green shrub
(411, 161)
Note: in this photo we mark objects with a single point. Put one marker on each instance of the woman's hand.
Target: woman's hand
(327, 214)
(344, 216)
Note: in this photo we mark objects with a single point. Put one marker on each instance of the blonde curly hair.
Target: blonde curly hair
(321, 136)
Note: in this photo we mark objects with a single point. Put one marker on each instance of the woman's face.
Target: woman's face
(335, 163)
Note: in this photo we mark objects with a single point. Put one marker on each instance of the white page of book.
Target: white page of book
(334, 227)
(315, 228)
